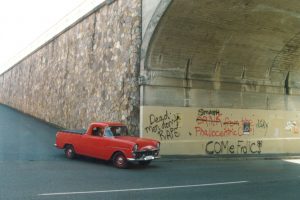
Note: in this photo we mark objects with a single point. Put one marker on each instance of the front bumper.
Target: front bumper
(146, 158)
(145, 155)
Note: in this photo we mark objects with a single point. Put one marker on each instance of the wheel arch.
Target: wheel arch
(115, 152)
(67, 144)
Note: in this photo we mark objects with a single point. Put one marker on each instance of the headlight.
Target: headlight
(158, 145)
(135, 148)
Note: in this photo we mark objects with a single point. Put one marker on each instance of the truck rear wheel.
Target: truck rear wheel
(70, 152)
(120, 161)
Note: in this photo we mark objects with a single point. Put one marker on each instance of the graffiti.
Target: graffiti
(209, 120)
(200, 131)
(209, 117)
(166, 125)
(231, 122)
(215, 125)
(292, 127)
(228, 147)
(246, 127)
(261, 123)
(218, 131)
(202, 112)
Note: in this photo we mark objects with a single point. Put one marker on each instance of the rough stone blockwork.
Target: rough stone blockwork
(88, 73)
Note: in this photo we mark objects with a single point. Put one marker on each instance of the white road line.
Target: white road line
(143, 189)
(296, 161)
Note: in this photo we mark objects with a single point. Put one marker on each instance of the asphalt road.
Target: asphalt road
(31, 168)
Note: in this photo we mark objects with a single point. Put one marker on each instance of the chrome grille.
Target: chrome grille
(142, 154)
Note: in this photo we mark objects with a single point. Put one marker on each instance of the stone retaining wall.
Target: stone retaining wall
(87, 73)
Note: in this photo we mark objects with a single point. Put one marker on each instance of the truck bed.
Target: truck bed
(80, 132)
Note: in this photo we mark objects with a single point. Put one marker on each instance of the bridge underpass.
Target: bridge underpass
(246, 48)
(215, 73)
(203, 77)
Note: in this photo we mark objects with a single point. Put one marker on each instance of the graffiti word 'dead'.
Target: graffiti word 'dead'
(166, 125)
(239, 147)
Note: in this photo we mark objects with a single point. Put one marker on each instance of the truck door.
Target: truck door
(93, 143)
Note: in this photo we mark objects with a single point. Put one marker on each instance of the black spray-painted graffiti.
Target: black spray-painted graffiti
(166, 125)
(202, 112)
(261, 123)
(239, 147)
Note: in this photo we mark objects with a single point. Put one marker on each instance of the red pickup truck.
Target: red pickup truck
(108, 141)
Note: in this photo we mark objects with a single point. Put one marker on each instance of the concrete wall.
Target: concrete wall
(87, 73)
(148, 7)
(214, 131)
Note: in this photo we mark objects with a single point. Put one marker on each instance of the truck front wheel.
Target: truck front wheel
(120, 161)
(70, 152)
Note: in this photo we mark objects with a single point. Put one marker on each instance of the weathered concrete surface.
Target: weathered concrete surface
(240, 54)
(217, 131)
(148, 9)
(87, 73)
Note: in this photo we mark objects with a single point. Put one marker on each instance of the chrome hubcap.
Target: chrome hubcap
(120, 161)
(69, 152)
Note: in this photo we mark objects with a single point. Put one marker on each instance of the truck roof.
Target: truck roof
(108, 123)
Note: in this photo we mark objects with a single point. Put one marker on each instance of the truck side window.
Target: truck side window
(108, 132)
(97, 131)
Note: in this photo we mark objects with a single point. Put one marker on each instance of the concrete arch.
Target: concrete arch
(155, 13)
(237, 46)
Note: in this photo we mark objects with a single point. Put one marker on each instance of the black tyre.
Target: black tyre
(120, 161)
(145, 163)
(70, 152)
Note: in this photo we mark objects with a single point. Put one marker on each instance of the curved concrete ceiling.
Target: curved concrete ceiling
(248, 41)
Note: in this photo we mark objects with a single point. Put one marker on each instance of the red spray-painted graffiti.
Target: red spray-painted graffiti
(211, 123)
